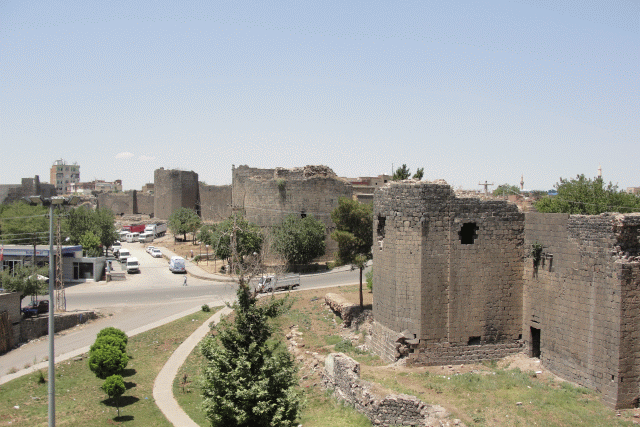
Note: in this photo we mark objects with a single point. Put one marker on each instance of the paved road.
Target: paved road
(143, 300)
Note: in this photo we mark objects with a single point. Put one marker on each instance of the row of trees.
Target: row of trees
(21, 223)
(108, 359)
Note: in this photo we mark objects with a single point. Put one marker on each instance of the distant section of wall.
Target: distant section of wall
(174, 189)
(144, 202)
(267, 196)
(215, 202)
(118, 203)
(582, 301)
(10, 193)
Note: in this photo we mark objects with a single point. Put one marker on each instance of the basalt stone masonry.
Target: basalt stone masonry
(582, 301)
(174, 189)
(268, 196)
(448, 273)
(456, 282)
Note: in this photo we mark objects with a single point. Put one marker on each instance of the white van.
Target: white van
(177, 265)
(132, 237)
(133, 266)
(123, 255)
(145, 237)
(123, 235)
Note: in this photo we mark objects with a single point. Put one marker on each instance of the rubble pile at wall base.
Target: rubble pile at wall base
(342, 375)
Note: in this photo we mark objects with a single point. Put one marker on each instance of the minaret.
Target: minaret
(521, 182)
(599, 171)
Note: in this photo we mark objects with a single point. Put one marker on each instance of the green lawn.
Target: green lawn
(79, 399)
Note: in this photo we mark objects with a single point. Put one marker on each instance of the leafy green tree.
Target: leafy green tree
(24, 279)
(23, 224)
(249, 380)
(354, 234)
(588, 197)
(299, 240)
(107, 357)
(419, 174)
(114, 387)
(91, 244)
(506, 190)
(401, 173)
(84, 221)
(249, 237)
(183, 221)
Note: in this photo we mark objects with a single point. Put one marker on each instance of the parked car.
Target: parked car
(123, 255)
(36, 307)
(177, 265)
(155, 252)
(150, 248)
(145, 237)
(115, 248)
(133, 266)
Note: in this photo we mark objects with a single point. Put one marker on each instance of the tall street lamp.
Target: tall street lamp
(52, 202)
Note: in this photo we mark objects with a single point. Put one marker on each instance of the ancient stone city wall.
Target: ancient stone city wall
(118, 203)
(267, 196)
(582, 301)
(215, 202)
(174, 189)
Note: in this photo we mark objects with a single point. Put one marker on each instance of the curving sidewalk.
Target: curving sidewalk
(163, 385)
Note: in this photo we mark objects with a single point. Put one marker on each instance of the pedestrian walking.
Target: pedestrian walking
(185, 281)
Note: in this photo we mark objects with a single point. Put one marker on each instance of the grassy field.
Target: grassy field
(79, 399)
(504, 393)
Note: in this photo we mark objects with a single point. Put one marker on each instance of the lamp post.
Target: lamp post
(52, 203)
(207, 246)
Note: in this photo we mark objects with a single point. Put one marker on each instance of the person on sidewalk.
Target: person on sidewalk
(185, 281)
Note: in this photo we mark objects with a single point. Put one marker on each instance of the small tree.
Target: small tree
(110, 330)
(401, 173)
(354, 234)
(183, 221)
(299, 240)
(114, 387)
(419, 174)
(248, 379)
(248, 237)
(91, 244)
(107, 356)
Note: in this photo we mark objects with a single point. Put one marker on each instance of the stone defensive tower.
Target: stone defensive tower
(448, 274)
(174, 189)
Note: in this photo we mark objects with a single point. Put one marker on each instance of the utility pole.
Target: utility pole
(486, 187)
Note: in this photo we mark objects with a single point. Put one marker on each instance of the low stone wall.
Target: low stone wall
(342, 375)
(36, 327)
(347, 310)
(391, 346)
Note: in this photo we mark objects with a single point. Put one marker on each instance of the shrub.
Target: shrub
(107, 356)
(206, 308)
(113, 331)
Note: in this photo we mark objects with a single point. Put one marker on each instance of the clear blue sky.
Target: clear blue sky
(469, 90)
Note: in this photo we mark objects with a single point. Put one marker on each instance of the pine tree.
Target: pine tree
(249, 380)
